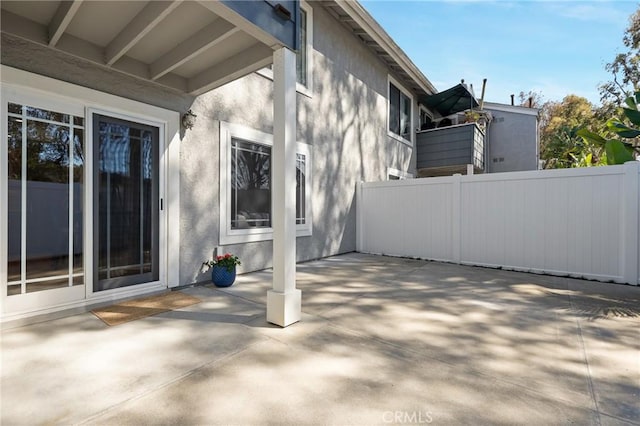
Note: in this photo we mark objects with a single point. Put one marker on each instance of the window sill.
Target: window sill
(257, 235)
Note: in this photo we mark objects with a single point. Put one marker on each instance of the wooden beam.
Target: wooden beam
(152, 14)
(250, 60)
(61, 20)
(204, 39)
(229, 15)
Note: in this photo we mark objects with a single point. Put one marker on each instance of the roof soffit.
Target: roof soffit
(186, 46)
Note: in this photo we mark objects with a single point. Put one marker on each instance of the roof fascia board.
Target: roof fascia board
(511, 108)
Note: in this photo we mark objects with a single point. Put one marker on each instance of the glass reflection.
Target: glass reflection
(126, 200)
(300, 189)
(14, 202)
(250, 185)
(45, 156)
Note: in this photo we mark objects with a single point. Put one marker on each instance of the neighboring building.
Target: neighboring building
(504, 139)
(109, 197)
(513, 138)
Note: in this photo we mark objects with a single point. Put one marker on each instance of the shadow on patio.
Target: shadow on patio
(383, 340)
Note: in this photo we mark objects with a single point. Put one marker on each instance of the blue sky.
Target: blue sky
(557, 48)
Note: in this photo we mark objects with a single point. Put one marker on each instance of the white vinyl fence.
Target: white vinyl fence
(577, 222)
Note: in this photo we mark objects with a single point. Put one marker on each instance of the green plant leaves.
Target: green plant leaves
(589, 136)
(622, 130)
(633, 115)
(617, 152)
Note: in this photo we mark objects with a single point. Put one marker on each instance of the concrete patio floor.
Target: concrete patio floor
(382, 341)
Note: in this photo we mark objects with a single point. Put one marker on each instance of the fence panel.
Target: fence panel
(577, 222)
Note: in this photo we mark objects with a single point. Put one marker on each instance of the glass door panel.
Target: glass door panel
(45, 190)
(126, 230)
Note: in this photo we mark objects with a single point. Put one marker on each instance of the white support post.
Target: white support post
(630, 232)
(456, 210)
(359, 217)
(469, 169)
(284, 301)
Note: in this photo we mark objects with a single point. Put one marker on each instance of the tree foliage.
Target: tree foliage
(625, 67)
(537, 100)
(561, 146)
(575, 133)
(626, 144)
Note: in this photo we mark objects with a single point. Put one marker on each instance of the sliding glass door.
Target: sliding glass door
(126, 203)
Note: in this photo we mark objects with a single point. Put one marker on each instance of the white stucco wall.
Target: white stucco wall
(345, 121)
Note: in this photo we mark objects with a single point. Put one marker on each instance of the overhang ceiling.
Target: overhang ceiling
(187, 46)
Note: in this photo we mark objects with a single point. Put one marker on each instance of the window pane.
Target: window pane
(14, 207)
(300, 189)
(301, 57)
(250, 185)
(78, 188)
(47, 285)
(46, 159)
(394, 109)
(15, 108)
(405, 116)
(47, 115)
(47, 242)
(126, 200)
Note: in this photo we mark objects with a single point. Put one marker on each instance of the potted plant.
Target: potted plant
(223, 269)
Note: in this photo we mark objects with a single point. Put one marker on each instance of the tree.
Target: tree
(537, 100)
(625, 68)
(560, 144)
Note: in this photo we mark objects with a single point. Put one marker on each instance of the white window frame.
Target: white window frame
(247, 235)
(403, 90)
(398, 173)
(300, 88)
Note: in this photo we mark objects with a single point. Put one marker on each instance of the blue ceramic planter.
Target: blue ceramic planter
(221, 277)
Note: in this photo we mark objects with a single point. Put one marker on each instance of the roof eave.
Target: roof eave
(381, 43)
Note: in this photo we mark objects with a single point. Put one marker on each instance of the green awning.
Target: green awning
(453, 100)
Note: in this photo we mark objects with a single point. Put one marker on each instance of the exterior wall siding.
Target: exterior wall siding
(345, 122)
(512, 142)
(448, 146)
(575, 222)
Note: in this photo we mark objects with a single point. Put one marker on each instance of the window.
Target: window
(301, 189)
(304, 63)
(250, 185)
(301, 57)
(245, 176)
(400, 113)
(426, 122)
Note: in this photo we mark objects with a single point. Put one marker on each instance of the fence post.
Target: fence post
(359, 218)
(456, 216)
(630, 231)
